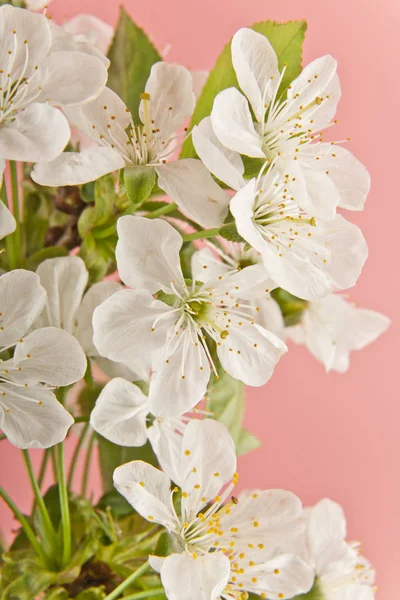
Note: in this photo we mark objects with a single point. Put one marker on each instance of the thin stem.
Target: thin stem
(74, 460)
(48, 525)
(165, 210)
(132, 577)
(16, 210)
(24, 523)
(85, 474)
(146, 594)
(43, 467)
(82, 419)
(64, 504)
(199, 235)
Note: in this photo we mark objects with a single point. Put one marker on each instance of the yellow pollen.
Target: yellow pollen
(187, 452)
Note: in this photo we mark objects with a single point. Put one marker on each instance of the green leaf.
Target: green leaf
(225, 398)
(57, 594)
(287, 41)
(292, 307)
(112, 456)
(92, 594)
(113, 501)
(229, 232)
(52, 252)
(132, 56)
(86, 221)
(104, 196)
(246, 442)
(164, 545)
(139, 181)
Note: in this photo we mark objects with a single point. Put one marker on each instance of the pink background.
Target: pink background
(335, 435)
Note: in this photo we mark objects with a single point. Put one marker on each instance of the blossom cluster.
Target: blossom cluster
(261, 199)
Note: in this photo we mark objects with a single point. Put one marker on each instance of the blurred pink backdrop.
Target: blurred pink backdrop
(323, 435)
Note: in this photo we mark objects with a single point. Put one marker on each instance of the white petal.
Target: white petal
(120, 413)
(250, 352)
(208, 460)
(166, 440)
(38, 133)
(272, 517)
(64, 279)
(322, 194)
(22, 299)
(75, 168)
(201, 578)
(7, 221)
(353, 592)
(123, 325)
(220, 161)
(73, 77)
(191, 186)
(242, 208)
(320, 116)
(347, 173)
(233, 124)
(255, 63)
(33, 417)
(65, 41)
(147, 489)
(171, 97)
(83, 327)
(106, 116)
(92, 30)
(50, 355)
(284, 576)
(16, 26)
(311, 82)
(349, 252)
(365, 327)
(147, 254)
(180, 379)
(206, 267)
(270, 315)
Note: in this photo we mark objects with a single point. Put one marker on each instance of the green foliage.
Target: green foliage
(139, 182)
(225, 398)
(132, 56)
(229, 232)
(287, 40)
(92, 594)
(314, 594)
(97, 228)
(292, 307)
(112, 456)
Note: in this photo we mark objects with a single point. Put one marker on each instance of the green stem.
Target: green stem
(24, 523)
(43, 467)
(48, 525)
(165, 210)
(199, 235)
(132, 577)
(82, 419)
(64, 505)
(75, 456)
(145, 594)
(85, 475)
(16, 210)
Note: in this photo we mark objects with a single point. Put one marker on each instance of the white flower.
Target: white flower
(120, 415)
(30, 414)
(285, 130)
(234, 257)
(303, 255)
(69, 307)
(332, 328)
(223, 547)
(132, 324)
(37, 73)
(91, 30)
(341, 572)
(7, 221)
(167, 101)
